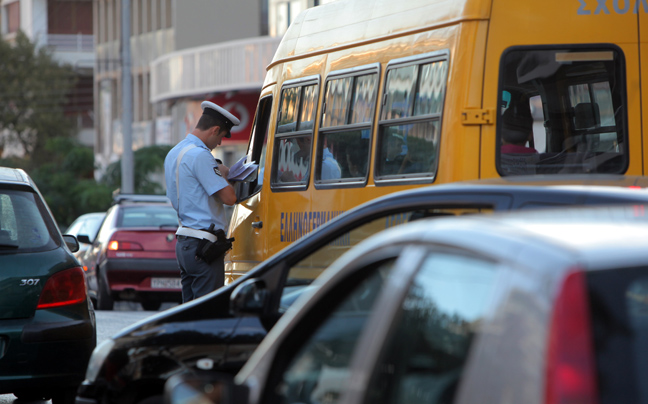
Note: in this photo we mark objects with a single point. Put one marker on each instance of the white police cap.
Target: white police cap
(209, 108)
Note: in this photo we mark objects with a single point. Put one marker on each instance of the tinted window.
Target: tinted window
(88, 226)
(562, 111)
(619, 309)
(319, 372)
(147, 216)
(345, 133)
(294, 160)
(440, 316)
(409, 132)
(294, 134)
(307, 269)
(24, 223)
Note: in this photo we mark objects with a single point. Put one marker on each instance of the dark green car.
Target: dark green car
(47, 324)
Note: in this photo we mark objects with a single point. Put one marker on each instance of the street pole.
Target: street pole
(127, 182)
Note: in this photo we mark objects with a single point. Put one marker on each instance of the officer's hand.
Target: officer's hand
(224, 170)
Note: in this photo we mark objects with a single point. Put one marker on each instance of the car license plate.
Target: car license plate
(165, 283)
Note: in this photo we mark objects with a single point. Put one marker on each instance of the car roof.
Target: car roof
(596, 237)
(92, 214)
(14, 175)
(610, 185)
(140, 199)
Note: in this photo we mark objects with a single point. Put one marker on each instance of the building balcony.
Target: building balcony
(77, 50)
(228, 66)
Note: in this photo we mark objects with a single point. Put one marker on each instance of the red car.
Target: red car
(133, 256)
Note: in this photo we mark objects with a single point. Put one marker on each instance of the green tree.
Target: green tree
(66, 180)
(149, 170)
(33, 90)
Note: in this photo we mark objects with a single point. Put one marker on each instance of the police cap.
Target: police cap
(209, 108)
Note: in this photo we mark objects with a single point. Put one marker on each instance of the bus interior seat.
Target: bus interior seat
(586, 115)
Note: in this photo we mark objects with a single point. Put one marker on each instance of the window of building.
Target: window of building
(282, 14)
(11, 17)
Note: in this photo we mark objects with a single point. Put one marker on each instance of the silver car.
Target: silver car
(525, 307)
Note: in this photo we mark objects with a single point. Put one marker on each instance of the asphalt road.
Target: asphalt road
(108, 323)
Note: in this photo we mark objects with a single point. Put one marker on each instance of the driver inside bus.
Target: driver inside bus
(517, 130)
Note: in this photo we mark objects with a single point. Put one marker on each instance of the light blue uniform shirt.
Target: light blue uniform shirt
(199, 180)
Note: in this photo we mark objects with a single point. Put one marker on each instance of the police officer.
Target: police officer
(198, 188)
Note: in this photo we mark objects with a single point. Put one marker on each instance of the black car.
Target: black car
(219, 332)
(47, 323)
(539, 306)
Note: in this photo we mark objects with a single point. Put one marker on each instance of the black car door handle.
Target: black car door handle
(257, 225)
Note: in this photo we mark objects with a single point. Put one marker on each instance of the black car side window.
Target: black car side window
(423, 359)
(318, 373)
(302, 273)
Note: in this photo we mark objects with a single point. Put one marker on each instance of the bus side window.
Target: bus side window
(345, 132)
(578, 106)
(409, 127)
(293, 137)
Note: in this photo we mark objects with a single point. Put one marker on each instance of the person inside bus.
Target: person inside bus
(356, 158)
(330, 167)
(517, 130)
(395, 152)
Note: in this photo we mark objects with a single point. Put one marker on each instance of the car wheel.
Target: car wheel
(151, 305)
(104, 299)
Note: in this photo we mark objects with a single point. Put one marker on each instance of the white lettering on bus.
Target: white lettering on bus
(295, 225)
(619, 6)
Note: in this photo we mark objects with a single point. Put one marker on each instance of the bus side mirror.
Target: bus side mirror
(249, 298)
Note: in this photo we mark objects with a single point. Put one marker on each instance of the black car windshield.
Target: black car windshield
(25, 224)
(147, 216)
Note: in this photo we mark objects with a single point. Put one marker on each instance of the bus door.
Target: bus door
(246, 225)
(289, 205)
(562, 79)
(643, 51)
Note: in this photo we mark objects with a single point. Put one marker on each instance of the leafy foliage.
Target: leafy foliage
(66, 180)
(149, 168)
(33, 91)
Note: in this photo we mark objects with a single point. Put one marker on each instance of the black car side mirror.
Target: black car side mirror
(83, 238)
(71, 242)
(205, 388)
(249, 298)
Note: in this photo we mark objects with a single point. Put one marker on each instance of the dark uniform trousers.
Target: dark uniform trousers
(196, 276)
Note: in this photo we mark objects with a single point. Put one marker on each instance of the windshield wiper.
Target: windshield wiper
(8, 246)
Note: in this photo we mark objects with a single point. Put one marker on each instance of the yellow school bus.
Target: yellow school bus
(369, 97)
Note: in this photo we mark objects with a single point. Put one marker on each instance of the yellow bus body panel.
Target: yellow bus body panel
(475, 33)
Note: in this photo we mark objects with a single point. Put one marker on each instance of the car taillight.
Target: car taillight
(571, 371)
(63, 288)
(115, 245)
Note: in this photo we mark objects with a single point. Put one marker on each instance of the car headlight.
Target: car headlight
(98, 358)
